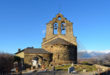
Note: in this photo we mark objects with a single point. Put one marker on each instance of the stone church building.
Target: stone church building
(59, 46)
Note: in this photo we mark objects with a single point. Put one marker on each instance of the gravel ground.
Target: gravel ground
(57, 73)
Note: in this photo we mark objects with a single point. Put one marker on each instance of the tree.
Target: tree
(6, 62)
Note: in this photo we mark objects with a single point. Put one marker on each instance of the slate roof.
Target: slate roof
(19, 52)
(59, 41)
(36, 50)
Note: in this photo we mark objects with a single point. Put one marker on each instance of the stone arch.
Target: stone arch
(59, 18)
(55, 28)
(37, 61)
(63, 27)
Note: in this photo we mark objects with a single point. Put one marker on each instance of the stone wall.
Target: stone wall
(69, 29)
(44, 58)
(21, 54)
(62, 54)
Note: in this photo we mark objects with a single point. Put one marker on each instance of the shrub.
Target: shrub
(85, 62)
(6, 62)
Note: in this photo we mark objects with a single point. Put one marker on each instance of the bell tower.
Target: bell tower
(59, 26)
(60, 40)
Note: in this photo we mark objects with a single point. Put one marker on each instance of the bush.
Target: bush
(6, 62)
(85, 62)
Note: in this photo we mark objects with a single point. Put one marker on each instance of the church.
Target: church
(59, 46)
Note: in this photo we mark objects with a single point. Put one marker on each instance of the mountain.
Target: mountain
(91, 54)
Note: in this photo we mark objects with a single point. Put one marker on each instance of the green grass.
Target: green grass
(62, 67)
(78, 68)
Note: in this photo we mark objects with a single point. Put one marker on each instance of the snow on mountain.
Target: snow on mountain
(92, 54)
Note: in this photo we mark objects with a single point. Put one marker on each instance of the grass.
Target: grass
(78, 67)
(62, 67)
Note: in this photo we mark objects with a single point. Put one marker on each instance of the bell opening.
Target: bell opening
(59, 18)
(63, 28)
(55, 28)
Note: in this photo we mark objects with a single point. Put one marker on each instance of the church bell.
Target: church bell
(63, 27)
(55, 26)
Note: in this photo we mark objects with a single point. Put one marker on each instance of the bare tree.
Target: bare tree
(6, 62)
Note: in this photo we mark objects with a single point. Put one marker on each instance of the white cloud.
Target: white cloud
(97, 51)
(104, 51)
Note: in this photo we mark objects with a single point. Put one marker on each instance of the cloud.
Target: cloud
(97, 51)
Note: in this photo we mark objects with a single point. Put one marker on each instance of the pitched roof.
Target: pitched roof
(58, 41)
(36, 50)
(19, 51)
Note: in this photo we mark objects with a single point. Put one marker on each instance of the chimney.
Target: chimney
(19, 49)
(30, 47)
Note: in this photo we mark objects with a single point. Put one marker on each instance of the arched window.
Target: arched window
(63, 28)
(55, 28)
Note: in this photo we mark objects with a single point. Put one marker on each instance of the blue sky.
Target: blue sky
(23, 22)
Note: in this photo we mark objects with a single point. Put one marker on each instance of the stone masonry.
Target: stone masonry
(58, 47)
(63, 46)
